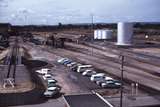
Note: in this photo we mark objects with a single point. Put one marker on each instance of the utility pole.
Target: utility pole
(92, 28)
(122, 70)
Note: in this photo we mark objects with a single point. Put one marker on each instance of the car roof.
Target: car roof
(99, 74)
(52, 88)
(47, 75)
(87, 70)
(51, 80)
(108, 78)
(45, 69)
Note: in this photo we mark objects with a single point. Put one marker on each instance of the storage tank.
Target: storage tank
(95, 34)
(125, 33)
(99, 34)
(107, 34)
(103, 34)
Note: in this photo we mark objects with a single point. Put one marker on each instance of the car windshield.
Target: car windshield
(109, 82)
(51, 90)
(51, 85)
(52, 82)
(97, 77)
(92, 72)
(100, 74)
(89, 71)
(49, 77)
(86, 68)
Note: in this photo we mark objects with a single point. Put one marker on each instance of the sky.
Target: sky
(52, 12)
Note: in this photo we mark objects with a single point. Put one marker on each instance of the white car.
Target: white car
(106, 78)
(89, 73)
(111, 84)
(97, 77)
(48, 77)
(71, 64)
(75, 67)
(51, 91)
(99, 74)
(43, 71)
(51, 81)
(46, 70)
(82, 68)
(62, 60)
(38, 71)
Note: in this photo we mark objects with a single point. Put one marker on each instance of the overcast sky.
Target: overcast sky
(78, 11)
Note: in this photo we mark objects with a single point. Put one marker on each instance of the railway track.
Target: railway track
(150, 59)
(131, 61)
(12, 60)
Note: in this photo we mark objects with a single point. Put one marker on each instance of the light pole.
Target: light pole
(92, 21)
(24, 12)
(122, 70)
(47, 19)
(92, 28)
(14, 18)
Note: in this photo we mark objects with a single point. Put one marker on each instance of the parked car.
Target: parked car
(47, 77)
(62, 59)
(111, 84)
(97, 77)
(89, 73)
(106, 78)
(74, 67)
(46, 69)
(71, 64)
(99, 74)
(82, 68)
(51, 82)
(51, 91)
(39, 71)
(67, 62)
(43, 71)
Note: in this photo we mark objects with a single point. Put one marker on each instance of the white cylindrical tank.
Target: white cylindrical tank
(99, 34)
(108, 34)
(102, 34)
(96, 34)
(125, 33)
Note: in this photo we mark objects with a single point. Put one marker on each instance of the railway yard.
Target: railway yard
(34, 58)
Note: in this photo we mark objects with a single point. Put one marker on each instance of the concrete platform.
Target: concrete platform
(24, 94)
(23, 81)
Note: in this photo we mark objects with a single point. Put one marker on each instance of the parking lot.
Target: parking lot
(72, 83)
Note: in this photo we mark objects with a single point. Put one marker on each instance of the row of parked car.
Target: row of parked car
(100, 79)
(51, 82)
